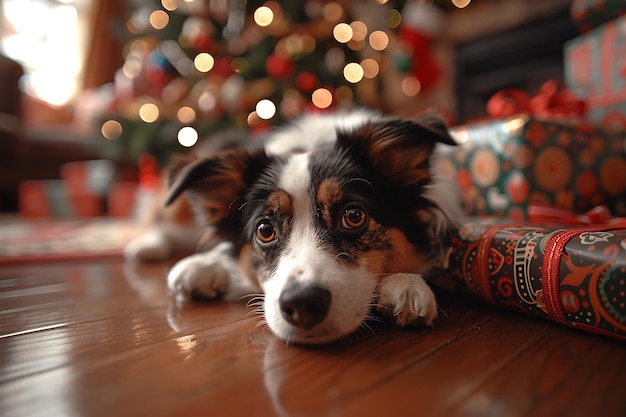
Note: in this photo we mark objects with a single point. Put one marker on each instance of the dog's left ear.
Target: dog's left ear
(399, 148)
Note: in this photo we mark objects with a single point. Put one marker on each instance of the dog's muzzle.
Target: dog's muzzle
(304, 306)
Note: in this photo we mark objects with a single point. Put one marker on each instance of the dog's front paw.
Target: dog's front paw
(407, 299)
(203, 275)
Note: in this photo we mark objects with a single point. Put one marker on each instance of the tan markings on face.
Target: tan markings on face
(280, 207)
(328, 194)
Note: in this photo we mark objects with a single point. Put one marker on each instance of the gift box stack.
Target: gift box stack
(90, 189)
(543, 182)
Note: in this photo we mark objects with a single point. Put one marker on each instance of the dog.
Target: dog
(334, 219)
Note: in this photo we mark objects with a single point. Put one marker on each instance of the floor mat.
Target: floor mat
(53, 241)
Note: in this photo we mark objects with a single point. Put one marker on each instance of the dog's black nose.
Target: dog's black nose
(304, 306)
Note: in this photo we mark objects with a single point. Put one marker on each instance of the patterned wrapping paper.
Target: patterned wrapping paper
(574, 275)
(504, 165)
(592, 13)
(595, 70)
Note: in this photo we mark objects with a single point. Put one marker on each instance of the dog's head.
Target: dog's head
(320, 229)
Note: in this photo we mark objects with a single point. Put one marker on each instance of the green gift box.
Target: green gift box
(595, 70)
(504, 165)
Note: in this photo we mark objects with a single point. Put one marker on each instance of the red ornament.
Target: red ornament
(280, 67)
(306, 81)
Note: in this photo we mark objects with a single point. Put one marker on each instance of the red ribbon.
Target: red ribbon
(552, 100)
(599, 215)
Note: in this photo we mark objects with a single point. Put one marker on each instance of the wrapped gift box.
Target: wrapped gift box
(53, 198)
(589, 14)
(575, 275)
(505, 164)
(595, 69)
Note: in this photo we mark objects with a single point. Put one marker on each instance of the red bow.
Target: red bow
(597, 215)
(550, 101)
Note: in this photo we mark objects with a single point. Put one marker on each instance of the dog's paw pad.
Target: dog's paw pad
(407, 299)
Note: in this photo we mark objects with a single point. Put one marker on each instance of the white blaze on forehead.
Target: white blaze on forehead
(296, 181)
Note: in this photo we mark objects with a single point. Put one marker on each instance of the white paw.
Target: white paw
(408, 298)
(152, 246)
(207, 274)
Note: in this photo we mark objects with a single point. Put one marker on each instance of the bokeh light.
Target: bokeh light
(359, 30)
(111, 129)
(322, 98)
(343, 32)
(263, 16)
(186, 115)
(265, 109)
(370, 68)
(379, 40)
(411, 86)
(461, 3)
(204, 62)
(149, 112)
(159, 19)
(353, 72)
(187, 136)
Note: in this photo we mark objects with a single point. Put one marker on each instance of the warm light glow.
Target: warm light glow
(395, 18)
(204, 62)
(263, 16)
(379, 40)
(46, 38)
(370, 68)
(170, 5)
(265, 109)
(322, 98)
(187, 136)
(411, 86)
(139, 48)
(353, 72)
(253, 118)
(239, 65)
(514, 125)
(111, 129)
(131, 68)
(343, 32)
(332, 12)
(149, 112)
(461, 3)
(159, 19)
(359, 30)
(186, 115)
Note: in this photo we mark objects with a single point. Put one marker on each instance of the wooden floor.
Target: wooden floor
(106, 339)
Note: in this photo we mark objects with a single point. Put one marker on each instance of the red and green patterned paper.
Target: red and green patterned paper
(589, 14)
(504, 165)
(575, 275)
(595, 70)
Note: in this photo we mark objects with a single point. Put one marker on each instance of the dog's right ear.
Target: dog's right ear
(215, 184)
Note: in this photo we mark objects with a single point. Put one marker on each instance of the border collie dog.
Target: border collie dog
(334, 218)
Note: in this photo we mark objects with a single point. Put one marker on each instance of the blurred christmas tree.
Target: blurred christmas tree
(193, 67)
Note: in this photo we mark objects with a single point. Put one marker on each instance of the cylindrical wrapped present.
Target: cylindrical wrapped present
(572, 274)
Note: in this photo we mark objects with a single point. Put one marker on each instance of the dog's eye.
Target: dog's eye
(353, 218)
(265, 231)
